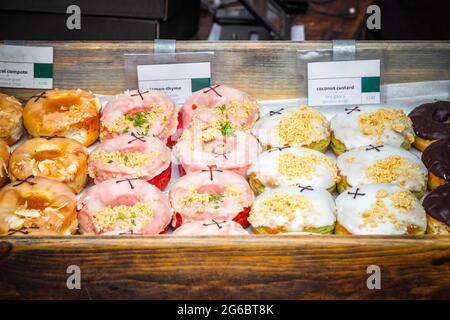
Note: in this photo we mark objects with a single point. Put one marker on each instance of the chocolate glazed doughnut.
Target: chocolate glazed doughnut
(431, 123)
(437, 160)
(437, 207)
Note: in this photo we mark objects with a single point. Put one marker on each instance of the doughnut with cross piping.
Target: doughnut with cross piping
(381, 209)
(382, 164)
(293, 209)
(66, 113)
(142, 112)
(360, 126)
(57, 158)
(218, 106)
(200, 149)
(37, 206)
(124, 206)
(211, 194)
(131, 156)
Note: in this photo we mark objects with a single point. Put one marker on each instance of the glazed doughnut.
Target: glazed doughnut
(210, 227)
(437, 160)
(127, 206)
(60, 159)
(145, 113)
(296, 127)
(382, 164)
(290, 166)
(11, 122)
(128, 156)
(293, 209)
(4, 159)
(37, 206)
(431, 122)
(211, 194)
(379, 208)
(200, 149)
(437, 207)
(218, 106)
(65, 113)
(362, 126)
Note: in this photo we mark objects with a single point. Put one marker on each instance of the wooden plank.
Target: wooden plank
(267, 70)
(259, 267)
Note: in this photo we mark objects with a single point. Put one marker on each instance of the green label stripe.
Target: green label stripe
(370, 84)
(43, 70)
(197, 84)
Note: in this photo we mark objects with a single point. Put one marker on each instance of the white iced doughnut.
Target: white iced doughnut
(379, 209)
(296, 126)
(293, 165)
(382, 164)
(361, 126)
(293, 209)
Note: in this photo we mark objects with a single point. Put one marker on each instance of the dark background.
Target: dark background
(188, 19)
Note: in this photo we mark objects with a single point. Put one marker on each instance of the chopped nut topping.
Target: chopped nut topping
(374, 123)
(123, 217)
(292, 165)
(302, 127)
(394, 168)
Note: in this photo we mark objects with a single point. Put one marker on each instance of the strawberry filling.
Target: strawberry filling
(162, 180)
(173, 138)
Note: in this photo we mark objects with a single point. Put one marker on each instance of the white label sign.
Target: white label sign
(344, 82)
(177, 80)
(26, 67)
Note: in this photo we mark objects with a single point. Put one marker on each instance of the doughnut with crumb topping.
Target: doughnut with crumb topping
(124, 206)
(290, 166)
(211, 194)
(382, 164)
(141, 112)
(296, 127)
(210, 227)
(293, 209)
(128, 156)
(37, 206)
(364, 126)
(11, 121)
(4, 159)
(218, 104)
(73, 114)
(379, 208)
(61, 159)
(200, 149)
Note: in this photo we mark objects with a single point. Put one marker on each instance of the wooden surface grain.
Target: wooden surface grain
(267, 70)
(255, 267)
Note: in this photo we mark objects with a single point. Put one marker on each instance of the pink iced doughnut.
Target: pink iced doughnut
(145, 112)
(198, 150)
(218, 104)
(129, 156)
(123, 206)
(211, 194)
(210, 228)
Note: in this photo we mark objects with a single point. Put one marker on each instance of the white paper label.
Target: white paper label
(344, 82)
(177, 80)
(26, 67)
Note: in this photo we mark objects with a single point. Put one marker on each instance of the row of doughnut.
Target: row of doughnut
(237, 166)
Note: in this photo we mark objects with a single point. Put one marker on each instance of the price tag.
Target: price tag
(344, 82)
(26, 67)
(177, 80)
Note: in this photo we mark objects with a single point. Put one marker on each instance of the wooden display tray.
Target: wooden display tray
(253, 267)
